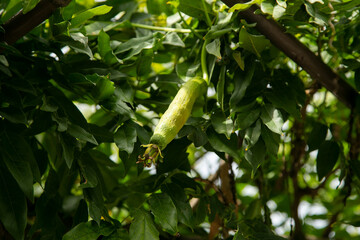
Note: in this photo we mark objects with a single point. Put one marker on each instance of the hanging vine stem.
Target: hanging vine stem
(207, 17)
(204, 69)
(167, 29)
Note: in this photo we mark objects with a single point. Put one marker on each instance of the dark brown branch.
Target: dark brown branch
(20, 24)
(299, 53)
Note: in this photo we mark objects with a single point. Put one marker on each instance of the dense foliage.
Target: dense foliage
(84, 90)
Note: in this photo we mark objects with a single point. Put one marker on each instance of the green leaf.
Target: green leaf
(194, 8)
(104, 88)
(186, 70)
(317, 135)
(135, 46)
(164, 211)
(68, 149)
(252, 135)
(244, 6)
(13, 208)
(125, 137)
(239, 60)
(81, 214)
(242, 81)
(214, 48)
(79, 43)
(4, 61)
(246, 119)
(14, 115)
(86, 15)
(143, 227)
(326, 158)
(105, 50)
(175, 156)
(88, 172)
(222, 124)
(271, 140)
(17, 158)
(256, 154)
(173, 39)
(319, 17)
(278, 12)
(272, 118)
(183, 208)
(158, 7)
(80, 133)
(29, 5)
(253, 43)
(89, 230)
(222, 144)
(220, 87)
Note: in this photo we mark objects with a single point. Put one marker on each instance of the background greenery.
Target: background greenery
(83, 91)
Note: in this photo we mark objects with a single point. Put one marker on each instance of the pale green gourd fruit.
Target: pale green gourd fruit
(173, 119)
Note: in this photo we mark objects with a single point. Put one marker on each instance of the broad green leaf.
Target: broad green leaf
(68, 149)
(72, 112)
(242, 81)
(89, 230)
(86, 15)
(177, 194)
(104, 88)
(245, 119)
(222, 124)
(175, 156)
(78, 42)
(220, 87)
(105, 50)
(28, 5)
(4, 61)
(173, 39)
(88, 172)
(244, 6)
(186, 70)
(254, 229)
(125, 137)
(97, 209)
(271, 140)
(164, 211)
(195, 134)
(80, 133)
(158, 7)
(278, 12)
(13, 208)
(81, 214)
(252, 135)
(13, 114)
(194, 8)
(143, 227)
(118, 234)
(320, 18)
(214, 48)
(143, 63)
(135, 46)
(256, 154)
(272, 118)
(18, 157)
(326, 158)
(267, 7)
(317, 135)
(253, 43)
(220, 143)
(237, 56)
